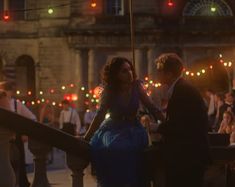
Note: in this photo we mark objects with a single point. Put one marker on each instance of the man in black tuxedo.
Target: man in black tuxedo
(184, 133)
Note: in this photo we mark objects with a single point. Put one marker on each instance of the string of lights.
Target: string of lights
(94, 94)
(49, 8)
(226, 64)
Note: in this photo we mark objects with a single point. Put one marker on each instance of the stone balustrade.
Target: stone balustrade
(40, 152)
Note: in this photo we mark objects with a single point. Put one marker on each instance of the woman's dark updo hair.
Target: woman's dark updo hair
(111, 70)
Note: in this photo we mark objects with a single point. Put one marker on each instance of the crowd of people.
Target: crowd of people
(221, 111)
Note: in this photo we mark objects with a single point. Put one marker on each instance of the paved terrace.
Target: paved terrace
(62, 178)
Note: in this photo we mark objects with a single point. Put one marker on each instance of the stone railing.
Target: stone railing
(78, 152)
(40, 152)
(44, 138)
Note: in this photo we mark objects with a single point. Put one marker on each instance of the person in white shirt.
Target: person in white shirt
(16, 106)
(7, 178)
(69, 119)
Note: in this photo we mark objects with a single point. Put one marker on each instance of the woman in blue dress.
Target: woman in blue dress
(118, 143)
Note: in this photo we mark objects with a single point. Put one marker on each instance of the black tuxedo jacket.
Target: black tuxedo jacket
(186, 127)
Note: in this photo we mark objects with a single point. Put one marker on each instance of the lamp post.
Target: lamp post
(132, 32)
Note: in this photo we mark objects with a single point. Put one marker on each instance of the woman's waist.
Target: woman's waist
(123, 117)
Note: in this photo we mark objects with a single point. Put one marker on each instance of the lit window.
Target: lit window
(115, 7)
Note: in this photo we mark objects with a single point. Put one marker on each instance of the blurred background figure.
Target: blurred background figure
(146, 121)
(47, 115)
(211, 108)
(88, 117)
(17, 146)
(7, 178)
(219, 102)
(227, 125)
(69, 119)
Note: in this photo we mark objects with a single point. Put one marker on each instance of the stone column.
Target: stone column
(77, 166)
(140, 63)
(81, 73)
(6, 171)
(233, 70)
(40, 152)
(93, 72)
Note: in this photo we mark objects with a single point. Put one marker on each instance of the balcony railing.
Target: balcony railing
(78, 152)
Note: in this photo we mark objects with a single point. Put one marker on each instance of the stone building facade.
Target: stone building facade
(72, 44)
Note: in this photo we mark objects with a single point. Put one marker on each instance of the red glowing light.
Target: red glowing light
(93, 4)
(6, 15)
(52, 91)
(97, 91)
(71, 97)
(170, 3)
(74, 97)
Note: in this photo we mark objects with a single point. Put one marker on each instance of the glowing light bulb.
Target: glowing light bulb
(50, 11)
(6, 15)
(93, 4)
(213, 9)
(170, 3)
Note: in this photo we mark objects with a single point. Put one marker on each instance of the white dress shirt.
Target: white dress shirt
(65, 117)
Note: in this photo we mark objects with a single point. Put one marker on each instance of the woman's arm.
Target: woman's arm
(148, 103)
(99, 117)
(221, 128)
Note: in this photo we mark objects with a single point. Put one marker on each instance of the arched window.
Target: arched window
(115, 7)
(25, 75)
(207, 8)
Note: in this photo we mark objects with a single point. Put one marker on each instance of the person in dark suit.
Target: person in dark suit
(184, 133)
